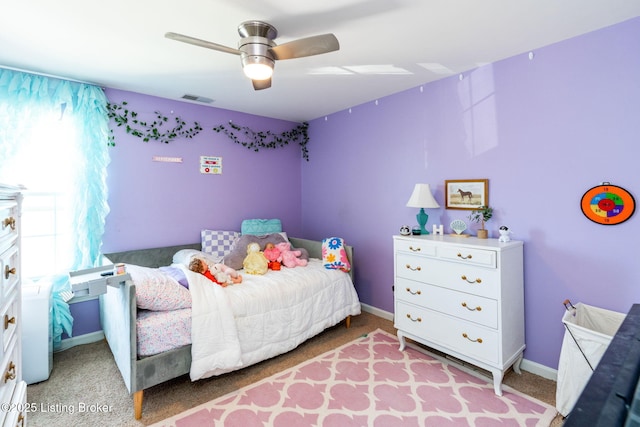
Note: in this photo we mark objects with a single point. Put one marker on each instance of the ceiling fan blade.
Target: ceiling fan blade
(314, 45)
(201, 43)
(261, 84)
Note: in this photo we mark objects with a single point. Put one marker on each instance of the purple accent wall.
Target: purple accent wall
(543, 131)
(157, 204)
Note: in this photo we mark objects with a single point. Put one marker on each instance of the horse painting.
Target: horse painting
(464, 194)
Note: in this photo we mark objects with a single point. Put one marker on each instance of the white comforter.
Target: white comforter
(264, 316)
(214, 338)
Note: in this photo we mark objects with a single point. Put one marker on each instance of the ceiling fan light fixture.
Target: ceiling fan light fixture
(257, 67)
(258, 52)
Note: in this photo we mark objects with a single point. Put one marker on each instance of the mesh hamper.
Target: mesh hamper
(588, 332)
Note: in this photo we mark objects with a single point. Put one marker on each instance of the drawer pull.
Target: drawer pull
(464, 256)
(412, 249)
(471, 281)
(478, 308)
(8, 270)
(11, 372)
(413, 269)
(9, 221)
(478, 340)
(418, 292)
(8, 320)
(21, 419)
(417, 319)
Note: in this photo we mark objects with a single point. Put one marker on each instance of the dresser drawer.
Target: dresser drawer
(9, 370)
(9, 274)
(8, 221)
(17, 414)
(416, 247)
(473, 308)
(469, 256)
(470, 279)
(9, 322)
(449, 332)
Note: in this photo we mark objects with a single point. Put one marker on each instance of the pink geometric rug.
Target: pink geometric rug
(368, 382)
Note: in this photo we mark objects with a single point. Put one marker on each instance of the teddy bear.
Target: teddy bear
(225, 274)
(272, 254)
(255, 262)
(288, 257)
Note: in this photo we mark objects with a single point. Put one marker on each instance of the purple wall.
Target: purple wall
(157, 204)
(543, 131)
(161, 204)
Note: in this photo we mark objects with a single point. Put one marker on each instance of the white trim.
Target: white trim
(376, 311)
(540, 370)
(66, 344)
(526, 365)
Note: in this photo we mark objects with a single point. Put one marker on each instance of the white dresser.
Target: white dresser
(13, 390)
(463, 297)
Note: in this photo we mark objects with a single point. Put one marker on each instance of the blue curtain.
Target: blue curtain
(24, 99)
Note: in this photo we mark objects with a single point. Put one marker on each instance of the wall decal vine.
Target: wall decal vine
(257, 140)
(148, 131)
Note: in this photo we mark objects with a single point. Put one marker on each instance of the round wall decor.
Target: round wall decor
(608, 204)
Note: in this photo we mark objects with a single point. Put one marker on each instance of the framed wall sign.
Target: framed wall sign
(607, 204)
(466, 193)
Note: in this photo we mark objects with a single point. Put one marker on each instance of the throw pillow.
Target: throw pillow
(218, 242)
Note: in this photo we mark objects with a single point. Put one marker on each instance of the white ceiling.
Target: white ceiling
(384, 44)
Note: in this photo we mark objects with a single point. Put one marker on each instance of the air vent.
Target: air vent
(197, 98)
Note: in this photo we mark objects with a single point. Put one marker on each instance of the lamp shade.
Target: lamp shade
(422, 197)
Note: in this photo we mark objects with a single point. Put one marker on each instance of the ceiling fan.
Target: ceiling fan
(258, 52)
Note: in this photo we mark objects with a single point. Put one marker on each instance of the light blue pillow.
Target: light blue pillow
(261, 227)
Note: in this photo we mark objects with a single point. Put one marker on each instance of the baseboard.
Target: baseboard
(376, 311)
(526, 365)
(540, 370)
(67, 343)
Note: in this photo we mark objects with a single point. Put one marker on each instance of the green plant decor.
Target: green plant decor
(148, 131)
(481, 215)
(257, 140)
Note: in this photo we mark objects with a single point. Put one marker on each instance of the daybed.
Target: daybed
(265, 323)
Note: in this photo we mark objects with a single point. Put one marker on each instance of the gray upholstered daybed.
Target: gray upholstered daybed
(119, 313)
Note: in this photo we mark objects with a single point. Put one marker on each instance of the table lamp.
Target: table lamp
(422, 198)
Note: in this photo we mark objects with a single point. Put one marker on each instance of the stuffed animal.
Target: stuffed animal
(225, 274)
(255, 261)
(504, 234)
(288, 257)
(272, 254)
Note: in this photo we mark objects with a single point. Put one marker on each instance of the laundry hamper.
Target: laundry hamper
(588, 332)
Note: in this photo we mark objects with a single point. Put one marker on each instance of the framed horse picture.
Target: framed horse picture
(466, 193)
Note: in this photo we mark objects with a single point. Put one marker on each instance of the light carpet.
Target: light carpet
(369, 382)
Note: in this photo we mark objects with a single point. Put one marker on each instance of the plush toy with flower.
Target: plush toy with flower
(272, 254)
(290, 258)
(255, 262)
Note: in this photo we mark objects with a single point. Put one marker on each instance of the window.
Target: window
(54, 141)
